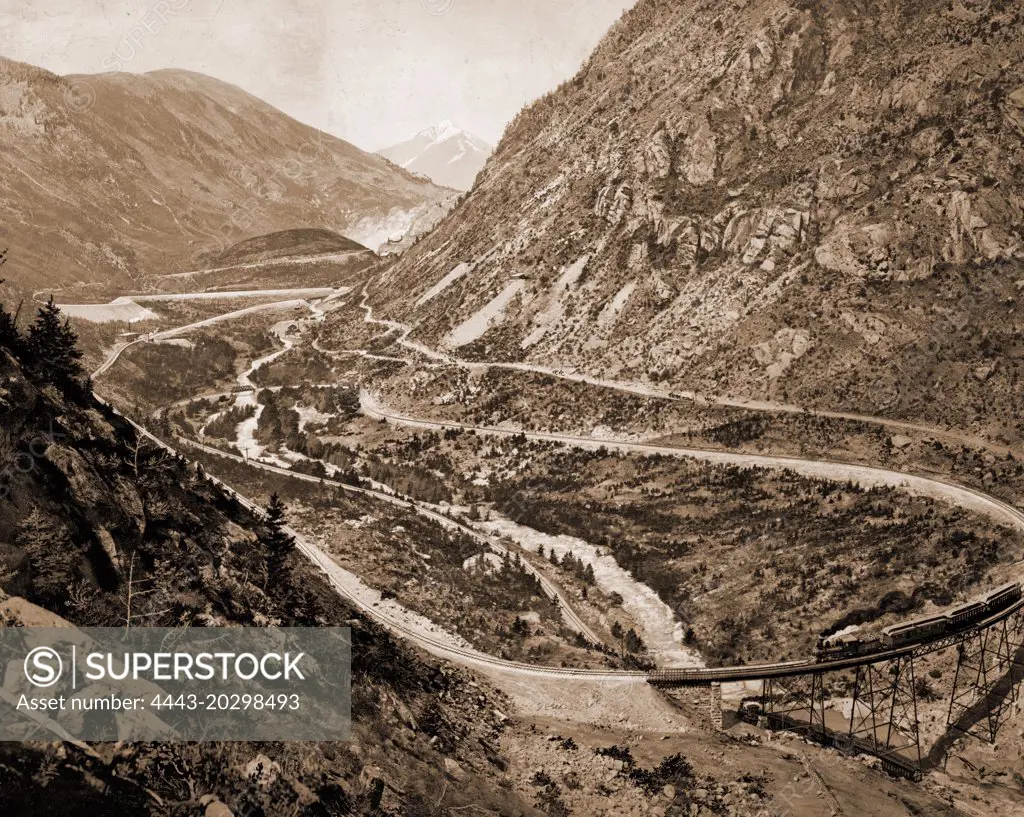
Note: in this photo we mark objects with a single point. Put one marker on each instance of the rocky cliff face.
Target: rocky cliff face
(80, 496)
(797, 199)
(105, 178)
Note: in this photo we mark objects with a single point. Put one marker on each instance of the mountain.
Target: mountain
(443, 153)
(108, 177)
(812, 201)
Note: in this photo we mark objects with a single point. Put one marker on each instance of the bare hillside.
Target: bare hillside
(810, 201)
(110, 177)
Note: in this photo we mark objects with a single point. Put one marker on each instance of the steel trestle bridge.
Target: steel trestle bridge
(883, 717)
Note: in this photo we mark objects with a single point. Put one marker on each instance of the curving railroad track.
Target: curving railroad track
(177, 331)
(553, 592)
(641, 390)
(960, 495)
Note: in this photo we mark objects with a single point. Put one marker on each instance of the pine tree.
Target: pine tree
(279, 542)
(275, 511)
(52, 556)
(9, 337)
(51, 349)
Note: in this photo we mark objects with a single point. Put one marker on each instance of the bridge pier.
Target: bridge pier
(715, 707)
(796, 704)
(883, 714)
(701, 703)
(989, 671)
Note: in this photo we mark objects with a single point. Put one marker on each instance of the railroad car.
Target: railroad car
(918, 629)
(750, 710)
(964, 614)
(1002, 597)
(961, 616)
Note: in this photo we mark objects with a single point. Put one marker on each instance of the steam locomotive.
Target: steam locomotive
(920, 630)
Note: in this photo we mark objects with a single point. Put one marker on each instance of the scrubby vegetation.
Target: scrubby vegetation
(445, 575)
(755, 562)
(758, 562)
(85, 503)
(225, 424)
(544, 403)
(207, 359)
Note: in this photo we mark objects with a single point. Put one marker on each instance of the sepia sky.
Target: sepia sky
(371, 71)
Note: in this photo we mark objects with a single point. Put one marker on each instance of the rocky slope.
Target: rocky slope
(443, 153)
(84, 505)
(110, 176)
(806, 200)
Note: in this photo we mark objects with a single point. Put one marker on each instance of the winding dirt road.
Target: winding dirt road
(351, 583)
(644, 390)
(864, 475)
(178, 331)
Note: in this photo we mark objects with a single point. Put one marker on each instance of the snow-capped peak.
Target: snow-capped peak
(440, 132)
(443, 152)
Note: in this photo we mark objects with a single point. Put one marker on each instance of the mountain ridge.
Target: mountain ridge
(175, 166)
(783, 202)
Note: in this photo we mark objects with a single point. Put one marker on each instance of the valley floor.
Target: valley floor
(587, 709)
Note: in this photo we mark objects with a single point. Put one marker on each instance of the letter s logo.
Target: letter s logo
(43, 667)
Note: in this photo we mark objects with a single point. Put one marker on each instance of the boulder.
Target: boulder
(985, 371)
(454, 770)
(109, 547)
(130, 503)
(216, 808)
(658, 156)
(702, 162)
(262, 770)
(85, 488)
